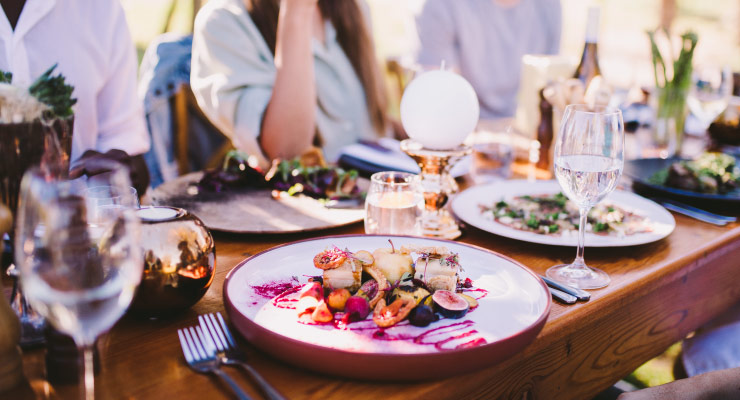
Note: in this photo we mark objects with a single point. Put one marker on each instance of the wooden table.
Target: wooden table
(659, 293)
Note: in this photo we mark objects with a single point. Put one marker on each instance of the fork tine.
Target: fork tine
(208, 327)
(185, 347)
(226, 330)
(196, 344)
(191, 347)
(221, 337)
(205, 340)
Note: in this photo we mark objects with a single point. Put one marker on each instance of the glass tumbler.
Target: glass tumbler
(393, 204)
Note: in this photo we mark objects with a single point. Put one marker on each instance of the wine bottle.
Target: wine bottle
(588, 68)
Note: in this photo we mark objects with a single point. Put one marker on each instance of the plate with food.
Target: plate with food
(539, 212)
(293, 196)
(381, 307)
(711, 178)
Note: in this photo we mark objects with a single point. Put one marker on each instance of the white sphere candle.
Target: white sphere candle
(439, 109)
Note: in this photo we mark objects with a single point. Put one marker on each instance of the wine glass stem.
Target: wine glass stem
(579, 262)
(87, 373)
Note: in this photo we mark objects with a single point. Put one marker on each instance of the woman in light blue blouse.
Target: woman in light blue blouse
(278, 76)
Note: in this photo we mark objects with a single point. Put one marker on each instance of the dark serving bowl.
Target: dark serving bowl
(641, 170)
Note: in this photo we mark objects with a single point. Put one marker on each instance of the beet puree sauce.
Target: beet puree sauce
(438, 337)
(278, 292)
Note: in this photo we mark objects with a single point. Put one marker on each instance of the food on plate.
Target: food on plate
(341, 269)
(337, 299)
(709, 173)
(437, 267)
(554, 214)
(422, 315)
(395, 288)
(450, 304)
(393, 263)
(309, 297)
(308, 175)
(357, 309)
(410, 292)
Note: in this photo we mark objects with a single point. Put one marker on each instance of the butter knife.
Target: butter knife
(580, 294)
(696, 213)
(562, 296)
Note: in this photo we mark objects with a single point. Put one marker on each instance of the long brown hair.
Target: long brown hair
(353, 36)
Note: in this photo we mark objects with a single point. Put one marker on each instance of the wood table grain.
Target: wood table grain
(659, 293)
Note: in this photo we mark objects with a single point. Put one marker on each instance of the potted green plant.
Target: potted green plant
(35, 127)
(672, 82)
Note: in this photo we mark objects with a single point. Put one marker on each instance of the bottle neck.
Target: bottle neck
(592, 25)
(589, 49)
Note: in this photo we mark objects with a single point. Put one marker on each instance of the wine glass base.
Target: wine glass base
(578, 277)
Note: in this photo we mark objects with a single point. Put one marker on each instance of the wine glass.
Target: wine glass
(589, 157)
(79, 265)
(711, 89)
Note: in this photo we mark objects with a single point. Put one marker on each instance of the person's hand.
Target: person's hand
(397, 129)
(88, 165)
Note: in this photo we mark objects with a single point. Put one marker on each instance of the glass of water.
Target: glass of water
(393, 202)
(79, 267)
(589, 158)
(711, 89)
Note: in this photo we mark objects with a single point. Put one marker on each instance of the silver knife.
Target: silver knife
(562, 296)
(696, 213)
(580, 294)
(345, 203)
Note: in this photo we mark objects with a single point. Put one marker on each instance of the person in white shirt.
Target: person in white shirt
(485, 40)
(90, 41)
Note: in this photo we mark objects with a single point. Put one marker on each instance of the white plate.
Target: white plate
(466, 206)
(508, 317)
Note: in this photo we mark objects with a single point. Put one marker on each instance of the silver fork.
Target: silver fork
(201, 357)
(215, 327)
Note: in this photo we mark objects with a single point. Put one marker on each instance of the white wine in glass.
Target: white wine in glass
(589, 158)
(79, 274)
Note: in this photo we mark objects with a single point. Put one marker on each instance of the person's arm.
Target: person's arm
(122, 135)
(723, 384)
(290, 119)
(120, 113)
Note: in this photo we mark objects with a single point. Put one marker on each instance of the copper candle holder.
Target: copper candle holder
(437, 185)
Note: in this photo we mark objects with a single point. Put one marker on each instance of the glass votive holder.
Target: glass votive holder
(393, 204)
(492, 156)
(102, 200)
(101, 196)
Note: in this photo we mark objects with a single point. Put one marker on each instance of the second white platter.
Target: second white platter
(467, 207)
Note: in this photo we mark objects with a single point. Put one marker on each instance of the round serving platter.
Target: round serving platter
(467, 207)
(513, 306)
(642, 170)
(252, 210)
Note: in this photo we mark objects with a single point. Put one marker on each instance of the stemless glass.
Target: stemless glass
(79, 266)
(589, 157)
(711, 89)
(392, 204)
(102, 196)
